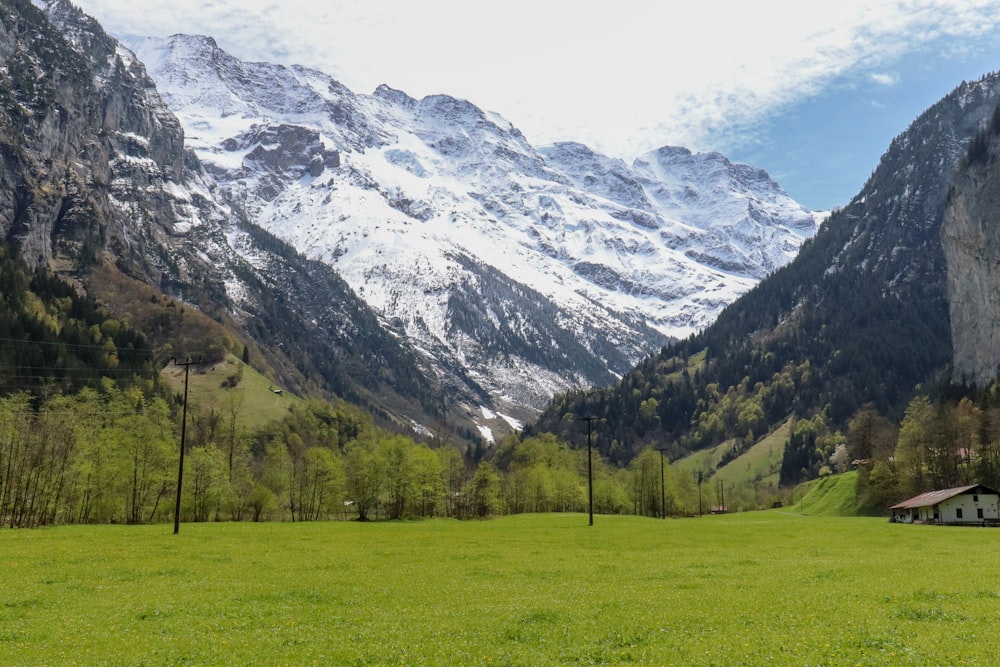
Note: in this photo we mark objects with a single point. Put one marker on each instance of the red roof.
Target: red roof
(934, 497)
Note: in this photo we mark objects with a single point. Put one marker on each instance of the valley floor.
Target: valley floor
(759, 587)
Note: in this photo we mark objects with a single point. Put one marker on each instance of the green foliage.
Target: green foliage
(174, 330)
(950, 443)
(482, 493)
(92, 457)
(54, 340)
(659, 489)
(543, 475)
(914, 445)
(808, 449)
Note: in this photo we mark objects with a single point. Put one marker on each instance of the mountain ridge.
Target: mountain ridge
(859, 317)
(427, 196)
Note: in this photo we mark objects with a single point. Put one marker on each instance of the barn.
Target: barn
(974, 505)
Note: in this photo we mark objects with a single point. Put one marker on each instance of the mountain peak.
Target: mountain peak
(394, 96)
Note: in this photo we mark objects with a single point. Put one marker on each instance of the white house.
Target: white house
(974, 505)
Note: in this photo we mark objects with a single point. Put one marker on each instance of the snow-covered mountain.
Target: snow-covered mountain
(517, 271)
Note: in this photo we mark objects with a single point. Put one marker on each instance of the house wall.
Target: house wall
(903, 516)
(986, 501)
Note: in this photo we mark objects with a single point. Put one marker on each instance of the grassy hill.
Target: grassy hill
(750, 480)
(760, 463)
(828, 496)
(231, 384)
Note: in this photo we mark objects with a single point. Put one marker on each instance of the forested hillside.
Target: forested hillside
(859, 318)
(53, 340)
(90, 433)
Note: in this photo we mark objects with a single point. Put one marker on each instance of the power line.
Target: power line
(71, 413)
(80, 346)
(68, 371)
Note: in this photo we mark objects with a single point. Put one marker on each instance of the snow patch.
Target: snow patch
(515, 424)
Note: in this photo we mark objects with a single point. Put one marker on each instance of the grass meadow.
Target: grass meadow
(749, 589)
(257, 403)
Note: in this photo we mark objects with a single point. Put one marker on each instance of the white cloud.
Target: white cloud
(623, 77)
(884, 79)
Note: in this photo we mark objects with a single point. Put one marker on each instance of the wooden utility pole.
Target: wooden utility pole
(180, 466)
(590, 465)
(699, 493)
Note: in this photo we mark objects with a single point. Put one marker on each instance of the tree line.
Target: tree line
(109, 454)
(90, 434)
(938, 444)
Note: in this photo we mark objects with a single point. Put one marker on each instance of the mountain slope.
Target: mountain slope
(859, 316)
(97, 185)
(517, 272)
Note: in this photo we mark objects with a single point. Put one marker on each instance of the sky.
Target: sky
(813, 91)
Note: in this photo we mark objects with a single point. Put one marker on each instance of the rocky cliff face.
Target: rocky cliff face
(93, 163)
(970, 234)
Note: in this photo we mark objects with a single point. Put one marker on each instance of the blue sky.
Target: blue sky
(812, 91)
(823, 148)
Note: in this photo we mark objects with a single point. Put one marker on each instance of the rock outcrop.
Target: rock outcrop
(93, 161)
(970, 234)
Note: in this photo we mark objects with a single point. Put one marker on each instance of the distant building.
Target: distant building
(974, 505)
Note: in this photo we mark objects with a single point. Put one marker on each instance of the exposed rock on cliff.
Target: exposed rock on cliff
(970, 233)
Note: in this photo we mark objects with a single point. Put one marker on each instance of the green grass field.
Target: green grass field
(748, 589)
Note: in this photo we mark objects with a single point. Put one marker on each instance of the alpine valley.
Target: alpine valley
(492, 274)
(422, 260)
(514, 272)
